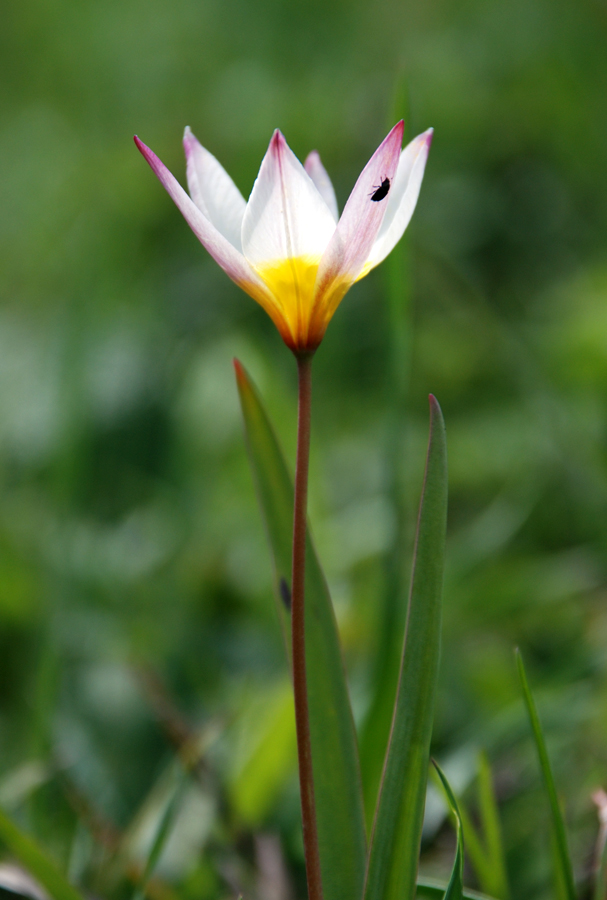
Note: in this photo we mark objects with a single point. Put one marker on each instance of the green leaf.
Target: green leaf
(432, 889)
(163, 830)
(485, 850)
(562, 859)
(496, 880)
(337, 786)
(36, 861)
(269, 752)
(394, 852)
(455, 888)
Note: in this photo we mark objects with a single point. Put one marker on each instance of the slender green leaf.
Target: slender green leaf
(163, 830)
(496, 880)
(475, 848)
(36, 861)
(338, 792)
(562, 859)
(433, 889)
(393, 857)
(455, 888)
(485, 849)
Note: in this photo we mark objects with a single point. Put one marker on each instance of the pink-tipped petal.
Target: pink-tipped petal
(320, 177)
(223, 252)
(402, 197)
(285, 217)
(349, 249)
(213, 191)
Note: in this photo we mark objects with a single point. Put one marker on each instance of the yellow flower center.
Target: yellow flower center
(291, 282)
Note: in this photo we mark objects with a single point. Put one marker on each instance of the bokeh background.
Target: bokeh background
(136, 606)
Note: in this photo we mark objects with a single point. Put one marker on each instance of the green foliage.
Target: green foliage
(36, 861)
(163, 831)
(269, 756)
(562, 861)
(394, 850)
(485, 849)
(455, 888)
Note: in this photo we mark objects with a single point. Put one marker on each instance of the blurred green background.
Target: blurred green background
(135, 583)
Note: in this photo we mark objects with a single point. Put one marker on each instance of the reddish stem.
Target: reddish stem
(300, 687)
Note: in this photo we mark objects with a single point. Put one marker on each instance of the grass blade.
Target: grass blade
(338, 792)
(562, 859)
(477, 854)
(455, 888)
(485, 848)
(36, 861)
(393, 857)
(163, 831)
(496, 882)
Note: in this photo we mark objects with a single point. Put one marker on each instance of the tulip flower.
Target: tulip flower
(287, 247)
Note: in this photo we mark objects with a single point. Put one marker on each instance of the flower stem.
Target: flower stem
(300, 688)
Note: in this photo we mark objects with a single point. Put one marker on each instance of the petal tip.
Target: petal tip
(278, 145)
(189, 140)
(278, 140)
(399, 129)
(143, 149)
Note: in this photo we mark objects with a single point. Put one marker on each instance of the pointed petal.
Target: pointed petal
(285, 217)
(346, 256)
(402, 197)
(320, 177)
(223, 252)
(213, 191)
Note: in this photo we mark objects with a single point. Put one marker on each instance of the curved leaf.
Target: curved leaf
(337, 786)
(455, 888)
(562, 859)
(485, 847)
(393, 858)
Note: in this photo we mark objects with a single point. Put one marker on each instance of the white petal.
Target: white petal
(403, 196)
(320, 177)
(223, 252)
(213, 191)
(285, 217)
(359, 225)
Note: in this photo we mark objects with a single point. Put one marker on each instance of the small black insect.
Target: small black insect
(380, 191)
(285, 593)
